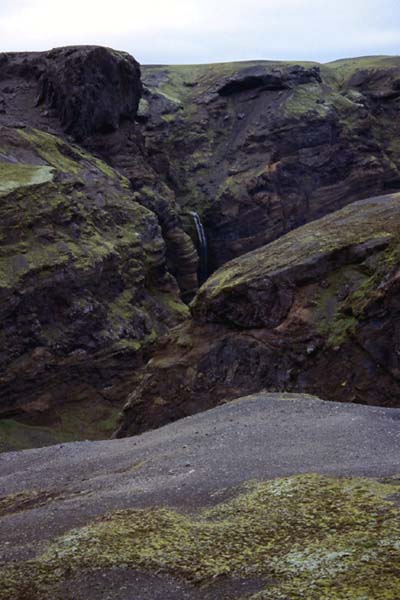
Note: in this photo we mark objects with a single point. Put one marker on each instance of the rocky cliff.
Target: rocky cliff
(91, 94)
(85, 271)
(258, 149)
(83, 280)
(103, 164)
(317, 310)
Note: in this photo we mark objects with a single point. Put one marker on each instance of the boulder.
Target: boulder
(91, 89)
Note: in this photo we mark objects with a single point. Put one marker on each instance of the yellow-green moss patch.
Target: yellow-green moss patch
(314, 537)
(15, 176)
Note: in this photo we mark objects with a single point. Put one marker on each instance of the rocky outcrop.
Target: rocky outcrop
(268, 78)
(78, 90)
(316, 311)
(84, 285)
(91, 94)
(91, 89)
(258, 149)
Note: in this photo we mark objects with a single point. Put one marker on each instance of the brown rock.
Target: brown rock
(315, 311)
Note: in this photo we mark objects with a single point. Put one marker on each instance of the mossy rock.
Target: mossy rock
(83, 275)
(257, 289)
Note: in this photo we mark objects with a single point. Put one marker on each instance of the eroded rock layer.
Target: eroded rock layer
(258, 149)
(83, 279)
(317, 310)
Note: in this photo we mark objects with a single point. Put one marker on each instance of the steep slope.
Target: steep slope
(180, 514)
(256, 149)
(317, 311)
(83, 282)
(90, 94)
(260, 148)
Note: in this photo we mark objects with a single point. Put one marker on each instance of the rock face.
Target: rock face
(316, 311)
(83, 280)
(80, 90)
(92, 94)
(89, 258)
(258, 149)
(179, 513)
(92, 89)
(90, 276)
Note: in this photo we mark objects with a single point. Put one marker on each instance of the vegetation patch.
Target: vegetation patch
(15, 176)
(312, 536)
(349, 291)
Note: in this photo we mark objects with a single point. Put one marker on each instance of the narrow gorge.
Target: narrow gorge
(124, 187)
(200, 328)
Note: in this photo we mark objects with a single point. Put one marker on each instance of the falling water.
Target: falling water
(202, 247)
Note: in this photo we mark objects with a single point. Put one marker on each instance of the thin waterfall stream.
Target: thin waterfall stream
(202, 247)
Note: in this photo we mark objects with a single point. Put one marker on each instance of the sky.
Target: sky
(202, 31)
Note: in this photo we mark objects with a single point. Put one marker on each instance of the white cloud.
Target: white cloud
(203, 30)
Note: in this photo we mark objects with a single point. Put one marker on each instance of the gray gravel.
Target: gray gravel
(194, 462)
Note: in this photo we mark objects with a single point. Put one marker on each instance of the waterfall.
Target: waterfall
(202, 247)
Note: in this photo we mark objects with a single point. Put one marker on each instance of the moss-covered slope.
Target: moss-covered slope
(83, 279)
(306, 536)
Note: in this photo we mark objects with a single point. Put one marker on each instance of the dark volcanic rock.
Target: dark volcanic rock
(92, 94)
(92, 89)
(265, 78)
(84, 285)
(79, 90)
(258, 149)
(316, 311)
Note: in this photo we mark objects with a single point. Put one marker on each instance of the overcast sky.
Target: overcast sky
(194, 31)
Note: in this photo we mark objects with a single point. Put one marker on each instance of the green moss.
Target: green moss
(143, 108)
(303, 99)
(15, 176)
(181, 83)
(169, 118)
(310, 536)
(349, 291)
(346, 67)
(331, 320)
(18, 502)
(172, 304)
(49, 148)
(356, 224)
(67, 158)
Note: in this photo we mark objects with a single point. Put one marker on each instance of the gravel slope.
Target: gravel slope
(188, 464)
